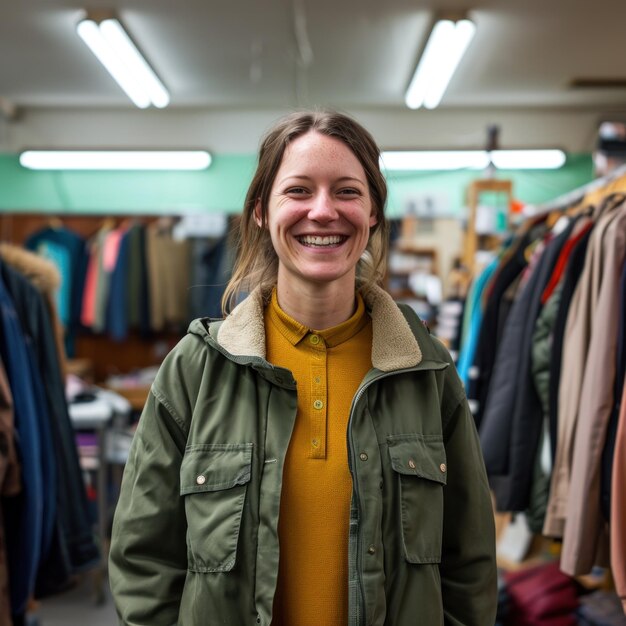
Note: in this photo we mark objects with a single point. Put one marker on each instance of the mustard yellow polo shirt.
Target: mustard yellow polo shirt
(328, 366)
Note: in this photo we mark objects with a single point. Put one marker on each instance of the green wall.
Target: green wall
(222, 187)
(529, 186)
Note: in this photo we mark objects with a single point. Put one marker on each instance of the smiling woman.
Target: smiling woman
(311, 459)
(319, 217)
(304, 146)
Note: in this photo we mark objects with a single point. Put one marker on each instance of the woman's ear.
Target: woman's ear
(258, 213)
(373, 219)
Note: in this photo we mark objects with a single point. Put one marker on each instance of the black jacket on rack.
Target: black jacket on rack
(570, 280)
(492, 325)
(512, 419)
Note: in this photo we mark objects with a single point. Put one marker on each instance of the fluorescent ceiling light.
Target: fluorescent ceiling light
(439, 160)
(435, 160)
(528, 159)
(115, 160)
(444, 49)
(115, 50)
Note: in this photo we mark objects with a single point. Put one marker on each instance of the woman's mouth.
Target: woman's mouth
(320, 242)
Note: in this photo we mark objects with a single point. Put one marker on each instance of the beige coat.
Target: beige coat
(575, 346)
(586, 534)
(168, 278)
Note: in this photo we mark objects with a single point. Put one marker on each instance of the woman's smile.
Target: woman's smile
(321, 241)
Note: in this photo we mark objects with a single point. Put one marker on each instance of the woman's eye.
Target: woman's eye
(349, 192)
(296, 191)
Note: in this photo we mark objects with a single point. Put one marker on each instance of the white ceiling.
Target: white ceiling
(234, 66)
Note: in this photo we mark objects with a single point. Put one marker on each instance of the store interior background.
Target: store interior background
(233, 68)
(546, 73)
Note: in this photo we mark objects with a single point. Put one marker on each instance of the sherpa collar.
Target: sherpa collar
(394, 345)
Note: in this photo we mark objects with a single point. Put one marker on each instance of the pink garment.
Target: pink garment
(88, 310)
(111, 249)
(618, 506)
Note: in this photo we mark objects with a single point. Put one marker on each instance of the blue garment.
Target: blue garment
(475, 311)
(210, 271)
(117, 321)
(72, 542)
(60, 257)
(18, 287)
(75, 273)
(48, 457)
(23, 514)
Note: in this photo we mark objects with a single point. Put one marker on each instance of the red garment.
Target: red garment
(559, 268)
(541, 596)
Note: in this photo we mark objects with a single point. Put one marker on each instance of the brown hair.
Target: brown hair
(256, 262)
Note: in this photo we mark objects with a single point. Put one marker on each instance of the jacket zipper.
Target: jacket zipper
(351, 463)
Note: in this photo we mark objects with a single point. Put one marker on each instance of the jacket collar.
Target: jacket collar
(394, 345)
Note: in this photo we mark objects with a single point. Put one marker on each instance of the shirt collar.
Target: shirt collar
(294, 331)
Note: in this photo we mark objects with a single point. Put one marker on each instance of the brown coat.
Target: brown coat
(575, 346)
(586, 535)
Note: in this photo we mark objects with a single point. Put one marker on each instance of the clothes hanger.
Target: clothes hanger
(107, 224)
(55, 223)
(608, 203)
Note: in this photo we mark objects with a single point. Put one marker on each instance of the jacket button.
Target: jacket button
(201, 479)
(314, 339)
(318, 404)
(363, 456)
(411, 463)
(371, 550)
(443, 467)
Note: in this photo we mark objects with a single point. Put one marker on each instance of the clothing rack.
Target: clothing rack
(573, 197)
(564, 325)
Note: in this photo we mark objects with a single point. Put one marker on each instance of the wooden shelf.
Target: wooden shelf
(475, 241)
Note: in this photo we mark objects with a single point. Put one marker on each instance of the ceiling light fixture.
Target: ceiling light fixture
(432, 160)
(112, 46)
(444, 49)
(115, 160)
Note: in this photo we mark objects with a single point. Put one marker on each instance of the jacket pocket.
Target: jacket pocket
(419, 462)
(213, 480)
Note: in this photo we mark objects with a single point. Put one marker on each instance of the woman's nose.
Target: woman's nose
(322, 208)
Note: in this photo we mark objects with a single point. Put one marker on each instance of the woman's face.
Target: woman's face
(319, 213)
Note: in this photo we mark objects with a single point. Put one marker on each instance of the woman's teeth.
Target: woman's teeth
(320, 241)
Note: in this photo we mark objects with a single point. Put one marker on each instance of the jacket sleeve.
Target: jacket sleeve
(468, 566)
(148, 557)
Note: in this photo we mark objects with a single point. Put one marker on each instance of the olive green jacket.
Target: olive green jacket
(195, 537)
